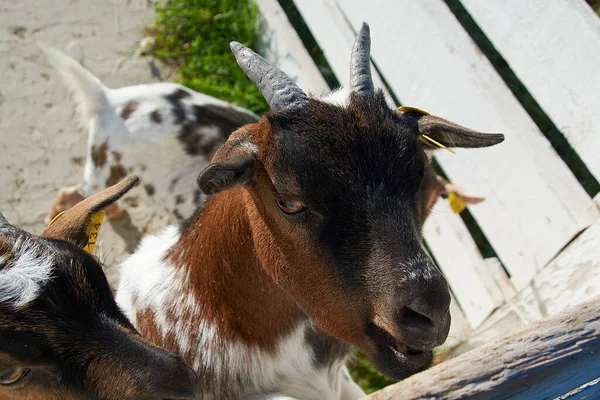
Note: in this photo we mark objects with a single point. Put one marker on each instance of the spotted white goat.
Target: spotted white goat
(165, 133)
(62, 335)
(162, 132)
(310, 243)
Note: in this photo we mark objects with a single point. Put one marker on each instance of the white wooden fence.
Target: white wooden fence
(535, 206)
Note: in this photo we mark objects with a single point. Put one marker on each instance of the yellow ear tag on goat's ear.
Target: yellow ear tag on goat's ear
(402, 109)
(456, 203)
(412, 109)
(92, 228)
(438, 144)
(60, 214)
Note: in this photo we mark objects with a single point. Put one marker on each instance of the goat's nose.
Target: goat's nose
(427, 311)
(176, 380)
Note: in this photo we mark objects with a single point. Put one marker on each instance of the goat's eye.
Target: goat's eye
(291, 207)
(12, 376)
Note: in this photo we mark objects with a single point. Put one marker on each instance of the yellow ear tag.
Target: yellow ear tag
(437, 143)
(412, 109)
(92, 228)
(418, 110)
(60, 214)
(456, 203)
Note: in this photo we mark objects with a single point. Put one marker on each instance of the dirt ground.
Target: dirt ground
(42, 146)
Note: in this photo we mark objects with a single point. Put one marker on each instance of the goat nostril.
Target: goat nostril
(414, 319)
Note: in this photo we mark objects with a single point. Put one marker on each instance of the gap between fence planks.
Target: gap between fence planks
(545, 360)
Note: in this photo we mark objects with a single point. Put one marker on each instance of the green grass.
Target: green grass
(195, 34)
(595, 4)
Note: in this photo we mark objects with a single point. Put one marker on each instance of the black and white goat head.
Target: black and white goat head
(62, 335)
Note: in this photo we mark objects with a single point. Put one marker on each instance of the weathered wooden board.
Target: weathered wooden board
(283, 47)
(472, 283)
(548, 359)
(572, 278)
(454, 249)
(535, 205)
(554, 48)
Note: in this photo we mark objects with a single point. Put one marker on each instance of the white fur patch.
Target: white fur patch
(239, 370)
(338, 97)
(22, 280)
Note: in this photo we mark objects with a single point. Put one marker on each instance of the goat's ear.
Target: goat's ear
(453, 135)
(71, 225)
(3, 221)
(448, 133)
(232, 165)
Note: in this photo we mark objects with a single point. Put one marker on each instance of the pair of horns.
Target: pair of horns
(281, 92)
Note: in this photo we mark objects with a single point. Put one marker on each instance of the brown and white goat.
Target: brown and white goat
(310, 243)
(164, 133)
(62, 335)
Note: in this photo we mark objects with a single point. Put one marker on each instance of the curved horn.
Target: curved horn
(360, 62)
(3, 220)
(276, 87)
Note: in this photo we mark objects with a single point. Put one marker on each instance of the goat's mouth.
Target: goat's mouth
(395, 357)
(401, 349)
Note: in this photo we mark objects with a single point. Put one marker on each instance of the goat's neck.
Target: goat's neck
(237, 295)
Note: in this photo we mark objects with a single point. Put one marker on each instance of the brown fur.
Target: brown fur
(129, 109)
(117, 172)
(31, 392)
(233, 283)
(99, 154)
(112, 380)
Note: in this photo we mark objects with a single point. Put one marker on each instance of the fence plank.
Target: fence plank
(285, 49)
(554, 48)
(571, 278)
(545, 360)
(535, 205)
